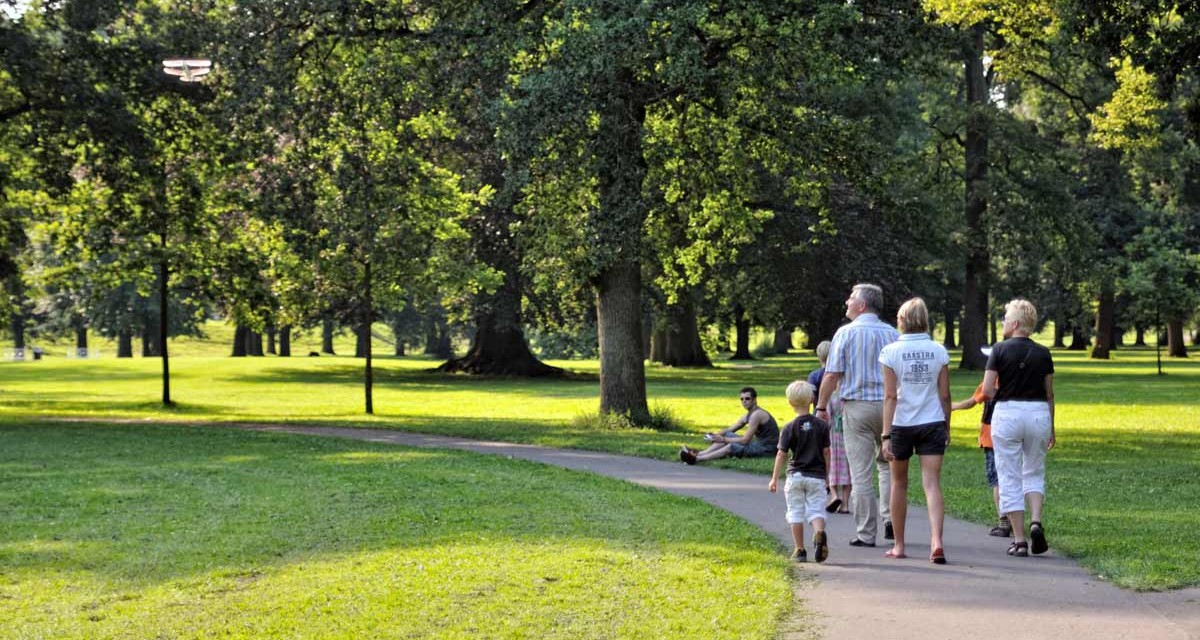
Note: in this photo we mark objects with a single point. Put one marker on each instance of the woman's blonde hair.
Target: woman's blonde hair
(823, 350)
(1023, 312)
(800, 394)
(913, 317)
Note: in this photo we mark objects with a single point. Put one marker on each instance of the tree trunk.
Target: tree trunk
(271, 339)
(18, 329)
(163, 308)
(783, 340)
(150, 341)
(1118, 337)
(619, 323)
(362, 341)
(951, 318)
(742, 332)
(1139, 335)
(1079, 340)
(254, 344)
(1176, 348)
(364, 338)
(437, 339)
(1196, 337)
(1060, 334)
(975, 295)
(125, 344)
(1104, 324)
(499, 346)
(397, 334)
(327, 336)
(239, 341)
(658, 344)
(995, 333)
(81, 341)
(285, 341)
(683, 347)
(617, 224)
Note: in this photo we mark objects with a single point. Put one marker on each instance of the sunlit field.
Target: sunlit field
(1122, 495)
(135, 531)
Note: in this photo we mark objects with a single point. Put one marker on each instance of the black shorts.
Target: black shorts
(926, 439)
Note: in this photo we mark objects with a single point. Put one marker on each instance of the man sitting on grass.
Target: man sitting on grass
(760, 439)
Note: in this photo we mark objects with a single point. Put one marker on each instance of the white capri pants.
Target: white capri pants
(805, 498)
(1020, 433)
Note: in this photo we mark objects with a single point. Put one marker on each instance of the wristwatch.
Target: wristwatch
(886, 436)
(820, 408)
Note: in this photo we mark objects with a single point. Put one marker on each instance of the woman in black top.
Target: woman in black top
(1022, 423)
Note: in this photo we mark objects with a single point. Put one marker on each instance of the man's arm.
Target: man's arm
(756, 418)
(989, 383)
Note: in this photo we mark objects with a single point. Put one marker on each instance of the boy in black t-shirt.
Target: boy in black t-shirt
(807, 438)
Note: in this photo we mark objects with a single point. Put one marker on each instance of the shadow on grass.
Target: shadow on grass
(152, 504)
(63, 402)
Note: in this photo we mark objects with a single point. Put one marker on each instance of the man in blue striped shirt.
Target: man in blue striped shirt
(853, 366)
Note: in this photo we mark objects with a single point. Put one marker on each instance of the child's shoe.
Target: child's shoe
(1003, 529)
(822, 546)
(800, 555)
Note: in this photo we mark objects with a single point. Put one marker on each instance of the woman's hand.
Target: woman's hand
(887, 450)
(772, 486)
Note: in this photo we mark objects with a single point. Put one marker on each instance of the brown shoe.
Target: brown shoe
(687, 456)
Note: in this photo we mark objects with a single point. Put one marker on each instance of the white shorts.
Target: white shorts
(805, 498)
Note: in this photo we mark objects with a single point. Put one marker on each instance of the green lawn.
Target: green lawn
(1122, 490)
(174, 532)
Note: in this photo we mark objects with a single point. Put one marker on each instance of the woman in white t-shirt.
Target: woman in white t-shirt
(916, 418)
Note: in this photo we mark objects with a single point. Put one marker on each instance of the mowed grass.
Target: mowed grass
(135, 531)
(1122, 492)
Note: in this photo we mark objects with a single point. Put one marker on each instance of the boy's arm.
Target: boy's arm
(780, 458)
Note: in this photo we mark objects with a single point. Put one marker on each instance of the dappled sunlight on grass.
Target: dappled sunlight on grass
(1118, 422)
(197, 532)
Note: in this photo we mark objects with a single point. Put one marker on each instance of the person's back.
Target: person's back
(805, 439)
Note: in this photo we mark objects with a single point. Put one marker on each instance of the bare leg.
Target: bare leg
(1036, 501)
(931, 480)
(996, 498)
(798, 535)
(844, 491)
(1017, 520)
(714, 452)
(899, 503)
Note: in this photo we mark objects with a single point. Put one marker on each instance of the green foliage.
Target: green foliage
(662, 419)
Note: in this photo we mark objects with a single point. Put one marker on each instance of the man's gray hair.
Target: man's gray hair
(871, 295)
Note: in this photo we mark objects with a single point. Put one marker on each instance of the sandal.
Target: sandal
(1019, 549)
(891, 553)
(938, 556)
(1037, 534)
(833, 506)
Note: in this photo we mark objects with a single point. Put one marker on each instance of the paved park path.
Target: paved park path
(981, 593)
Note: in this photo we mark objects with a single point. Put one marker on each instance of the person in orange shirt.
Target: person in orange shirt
(1003, 529)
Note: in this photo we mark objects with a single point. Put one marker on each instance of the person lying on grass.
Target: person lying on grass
(760, 437)
(807, 438)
